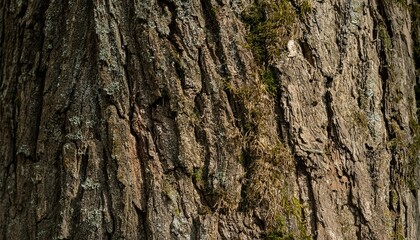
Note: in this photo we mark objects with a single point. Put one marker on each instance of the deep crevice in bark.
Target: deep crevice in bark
(142, 218)
(301, 168)
(213, 26)
(76, 204)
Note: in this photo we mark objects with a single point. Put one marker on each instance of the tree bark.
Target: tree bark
(164, 119)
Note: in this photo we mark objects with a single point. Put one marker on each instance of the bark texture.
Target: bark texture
(164, 119)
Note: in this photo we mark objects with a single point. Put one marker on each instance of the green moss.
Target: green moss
(402, 2)
(360, 119)
(305, 8)
(268, 186)
(268, 163)
(198, 174)
(215, 10)
(281, 232)
(398, 233)
(279, 155)
(249, 97)
(292, 208)
(168, 191)
(270, 24)
(198, 177)
(269, 80)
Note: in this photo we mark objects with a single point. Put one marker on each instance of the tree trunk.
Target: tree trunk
(210, 119)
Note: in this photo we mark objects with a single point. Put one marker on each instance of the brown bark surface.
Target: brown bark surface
(162, 119)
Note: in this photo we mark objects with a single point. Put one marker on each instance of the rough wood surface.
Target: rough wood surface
(151, 120)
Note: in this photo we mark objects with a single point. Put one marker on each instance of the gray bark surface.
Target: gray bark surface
(153, 119)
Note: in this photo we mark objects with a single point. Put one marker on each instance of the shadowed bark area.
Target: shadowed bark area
(210, 119)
